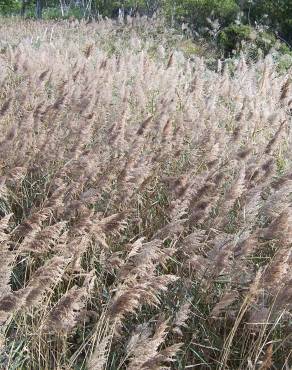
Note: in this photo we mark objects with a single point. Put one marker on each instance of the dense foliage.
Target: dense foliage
(276, 14)
(8, 6)
(198, 12)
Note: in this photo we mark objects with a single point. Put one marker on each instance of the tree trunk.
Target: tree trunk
(39, 9)
(23, 6)
(62, 8)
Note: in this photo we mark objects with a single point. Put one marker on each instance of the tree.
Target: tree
(198, 13)
(23, 7)
(39, 9)
(8, 6)
(277, 14)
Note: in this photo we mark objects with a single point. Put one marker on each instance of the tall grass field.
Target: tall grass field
(145, 201)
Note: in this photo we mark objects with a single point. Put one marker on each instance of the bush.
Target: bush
(231, 37)
(197, 12)
(285, 62)
(9, 6)
(273, 13)
(55, 13)
(111, 8)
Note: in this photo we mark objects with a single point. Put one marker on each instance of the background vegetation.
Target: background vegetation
(227, 23)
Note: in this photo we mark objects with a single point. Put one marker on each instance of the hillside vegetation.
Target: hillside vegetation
(145, 201)
(227, 24)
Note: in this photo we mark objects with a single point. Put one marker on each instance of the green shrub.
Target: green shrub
(266, 41)
(231, 37)
(52, 13)
(9, 6)
(255, 42)
(275, 14)
(197, 12)
(110, 8)
(285, 62)
(55, 13)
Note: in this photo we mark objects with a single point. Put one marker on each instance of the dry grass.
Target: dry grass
(145, 203)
